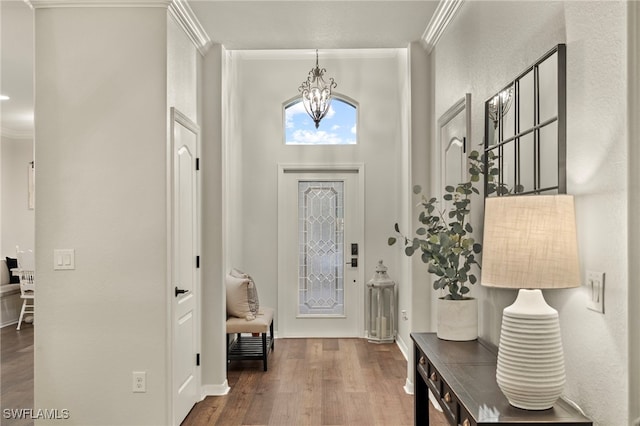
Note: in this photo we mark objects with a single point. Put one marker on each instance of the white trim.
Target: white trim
(310, 54)
(463, 105)
(177, 117)
(356, 168)
(42, 4)
(409, 387)
(317, 167)
(16, 134)
(215, 390)
(633, 203)
(403, 347)
(184, 16)
(406, 214)
(443, 15)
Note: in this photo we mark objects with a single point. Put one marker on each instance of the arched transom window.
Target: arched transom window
(338, 127)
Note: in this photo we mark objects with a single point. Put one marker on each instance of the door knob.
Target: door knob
(180, 291)
(354, 262)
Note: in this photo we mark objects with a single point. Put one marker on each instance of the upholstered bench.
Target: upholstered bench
(251, 347)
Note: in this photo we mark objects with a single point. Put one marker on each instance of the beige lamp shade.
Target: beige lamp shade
(530, 242)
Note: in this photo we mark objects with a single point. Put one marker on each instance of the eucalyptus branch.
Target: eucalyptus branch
(443, 239)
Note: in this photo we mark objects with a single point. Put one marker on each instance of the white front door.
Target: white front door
(185, 289)
(320, 222)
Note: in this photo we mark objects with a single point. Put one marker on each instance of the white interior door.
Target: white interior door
(185, 288)
(320, 294)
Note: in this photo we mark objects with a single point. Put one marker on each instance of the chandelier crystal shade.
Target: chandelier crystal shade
(316, 93)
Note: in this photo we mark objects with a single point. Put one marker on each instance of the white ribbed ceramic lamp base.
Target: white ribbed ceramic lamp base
(530, 369)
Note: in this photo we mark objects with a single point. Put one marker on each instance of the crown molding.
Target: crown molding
(325, 54)
(179, 10)
(443, 15)
(187, 20)
(5, 132)
(44, 4)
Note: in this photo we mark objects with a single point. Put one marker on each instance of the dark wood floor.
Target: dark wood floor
(315, 382)
(309, 382)
(16, 371)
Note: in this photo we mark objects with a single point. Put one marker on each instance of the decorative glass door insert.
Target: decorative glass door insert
(321, 248)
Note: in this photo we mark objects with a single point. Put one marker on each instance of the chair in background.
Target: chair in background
(27, 272)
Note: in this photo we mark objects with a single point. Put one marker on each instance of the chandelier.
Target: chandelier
(500, 104)
(316, 93)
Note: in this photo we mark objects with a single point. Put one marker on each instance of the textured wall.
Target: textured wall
(490, 43)
(101, 132)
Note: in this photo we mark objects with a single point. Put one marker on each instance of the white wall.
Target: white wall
(415, 170)
(260, 82)
(634, 206)
(18, 221)
(488, 44)
(183, 71)
(101, 147)
(214, 367)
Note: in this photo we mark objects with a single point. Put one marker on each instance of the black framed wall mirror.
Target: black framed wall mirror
(526, 131)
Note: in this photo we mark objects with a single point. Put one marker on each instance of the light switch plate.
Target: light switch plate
(595, 291)
(64, 259)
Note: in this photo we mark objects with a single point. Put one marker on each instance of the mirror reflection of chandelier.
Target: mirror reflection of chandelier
(316, 93)
(500, 104)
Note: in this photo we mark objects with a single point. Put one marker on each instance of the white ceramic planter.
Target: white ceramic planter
(458, 319)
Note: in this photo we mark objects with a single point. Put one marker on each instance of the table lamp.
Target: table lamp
(530, 244)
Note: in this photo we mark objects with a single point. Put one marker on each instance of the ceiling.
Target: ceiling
(306, 24)
(237, 24)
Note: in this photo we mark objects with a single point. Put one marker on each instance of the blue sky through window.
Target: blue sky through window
(338, 127)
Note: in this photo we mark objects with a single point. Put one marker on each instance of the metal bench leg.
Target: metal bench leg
(272, 339)
(264, 350)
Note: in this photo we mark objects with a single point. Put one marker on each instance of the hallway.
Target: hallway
(315, 382)
(310, 381)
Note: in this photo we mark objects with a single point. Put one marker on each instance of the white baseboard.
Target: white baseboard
(409, 387)
(215, 390)
(403, 347)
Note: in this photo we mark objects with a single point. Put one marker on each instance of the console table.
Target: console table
(462, 377)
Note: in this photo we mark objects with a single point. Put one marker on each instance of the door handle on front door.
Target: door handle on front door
(354, 262)
(180, 291)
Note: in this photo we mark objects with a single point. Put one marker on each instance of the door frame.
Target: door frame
(177, 117)
(359, 168)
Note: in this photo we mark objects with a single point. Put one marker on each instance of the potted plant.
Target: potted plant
(445, 243)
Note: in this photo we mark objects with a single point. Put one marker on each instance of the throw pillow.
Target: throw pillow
(252, 290)
(12, 263)
(241, 297)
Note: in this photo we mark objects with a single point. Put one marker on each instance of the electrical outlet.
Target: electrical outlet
(595, 291)
(139, 381)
